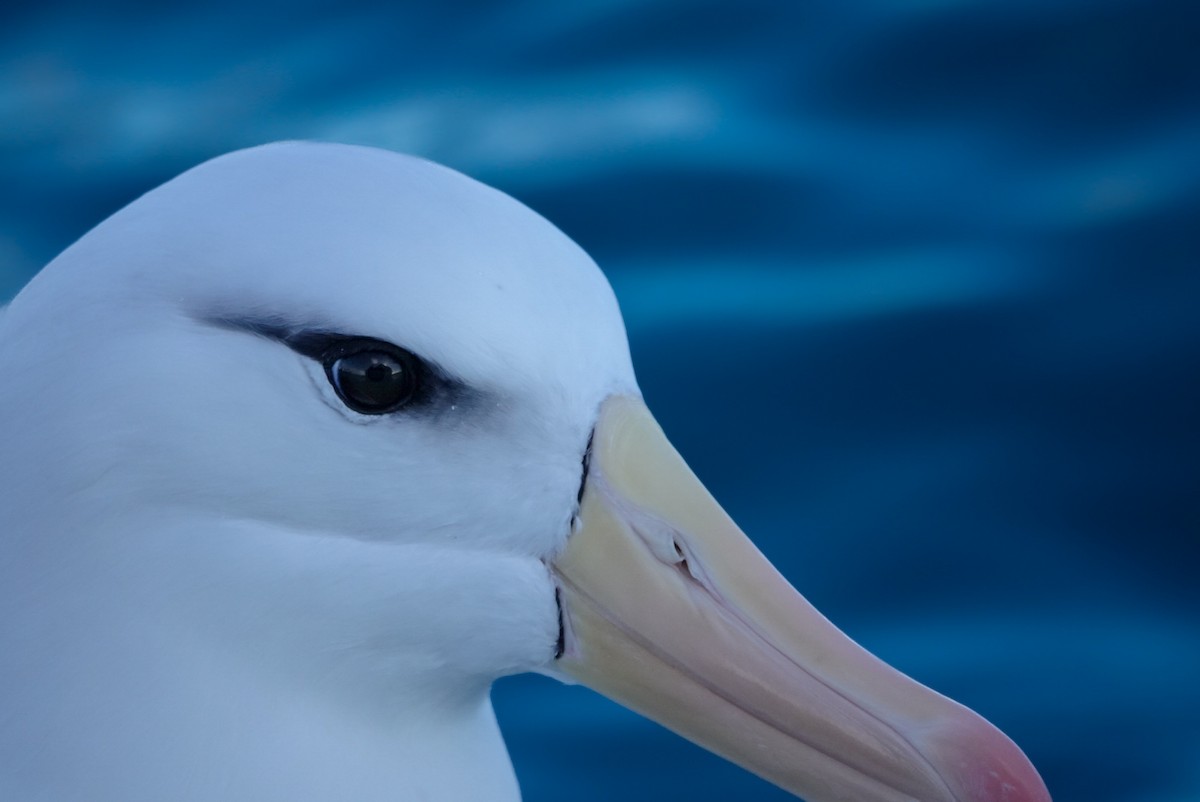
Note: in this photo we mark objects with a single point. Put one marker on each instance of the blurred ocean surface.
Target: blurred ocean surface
(915, 287)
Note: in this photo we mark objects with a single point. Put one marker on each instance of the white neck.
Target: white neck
(141, 680)
(129, 739)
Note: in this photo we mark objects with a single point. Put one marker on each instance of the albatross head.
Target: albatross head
(305, 448)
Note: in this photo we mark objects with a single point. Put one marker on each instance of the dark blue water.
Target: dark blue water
(915, 287)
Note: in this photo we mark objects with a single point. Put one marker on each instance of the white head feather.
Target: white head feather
(200, 538)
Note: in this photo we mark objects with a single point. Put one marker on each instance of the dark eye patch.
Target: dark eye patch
(369, 375)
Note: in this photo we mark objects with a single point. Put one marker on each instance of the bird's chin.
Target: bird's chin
(669, 609)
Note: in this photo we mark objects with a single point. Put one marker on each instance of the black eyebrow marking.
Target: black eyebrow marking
(440, 388)
(307, 340)
(271, 327)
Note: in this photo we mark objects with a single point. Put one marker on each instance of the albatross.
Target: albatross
(305, 448)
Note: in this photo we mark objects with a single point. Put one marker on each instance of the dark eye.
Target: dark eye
(370, 376)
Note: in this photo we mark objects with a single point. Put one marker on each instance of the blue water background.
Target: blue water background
(914, 286)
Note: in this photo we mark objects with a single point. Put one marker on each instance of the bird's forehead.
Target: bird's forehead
(374, 243)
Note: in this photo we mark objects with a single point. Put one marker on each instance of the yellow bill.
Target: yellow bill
(670, 610)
